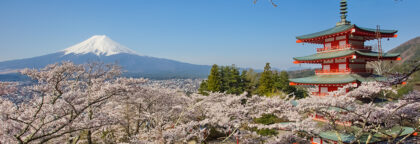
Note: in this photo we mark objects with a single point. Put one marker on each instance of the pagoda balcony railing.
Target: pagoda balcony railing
(342, 47)
(323, 94)
(320, 93)
(339, 71)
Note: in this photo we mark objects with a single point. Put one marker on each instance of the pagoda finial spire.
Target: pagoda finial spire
(343, 12)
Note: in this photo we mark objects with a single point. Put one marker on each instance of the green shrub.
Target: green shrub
(267, 119)
(267, 132)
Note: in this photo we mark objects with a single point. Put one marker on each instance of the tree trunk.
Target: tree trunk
(137, 127)
(369, 138)
(76, 139)
(89, 137)
(127, 117)
(89, 132)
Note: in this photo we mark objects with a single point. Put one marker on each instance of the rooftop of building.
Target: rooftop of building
(337, 79)
(343, 28)
(342, 53)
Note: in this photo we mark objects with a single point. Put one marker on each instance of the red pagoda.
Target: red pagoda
(343, 56)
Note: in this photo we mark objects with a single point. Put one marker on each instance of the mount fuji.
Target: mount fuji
(103, 49)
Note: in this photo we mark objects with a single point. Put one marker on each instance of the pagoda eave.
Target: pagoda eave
(348, 54)
(367, 58)
(321, 39)
(322, 84)
(367, 33)
(319, 61)
(335, 80)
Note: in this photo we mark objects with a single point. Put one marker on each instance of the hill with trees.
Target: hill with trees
(409, 50)
(229, 80)
(410, 56)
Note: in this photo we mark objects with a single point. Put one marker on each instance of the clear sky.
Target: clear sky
(207, 32)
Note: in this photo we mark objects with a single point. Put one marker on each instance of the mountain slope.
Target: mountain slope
(409, 50)
(103, 49)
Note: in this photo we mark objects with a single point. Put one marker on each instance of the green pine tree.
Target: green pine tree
(225, 74)
(203, 88)
(214, 81)
(253, 78)
(266, 82)
(234, 81)
(281, 81)
(277, 86)
(245, 83)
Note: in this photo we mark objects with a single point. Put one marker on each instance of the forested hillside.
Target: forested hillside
(270, 82)
(409, 50)
(410, 55)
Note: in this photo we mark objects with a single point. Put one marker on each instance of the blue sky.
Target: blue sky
(207, 32)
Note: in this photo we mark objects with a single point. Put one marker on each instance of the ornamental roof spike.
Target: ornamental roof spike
(343, 12)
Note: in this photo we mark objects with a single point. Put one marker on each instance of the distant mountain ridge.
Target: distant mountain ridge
(102, 48)
(409, 50)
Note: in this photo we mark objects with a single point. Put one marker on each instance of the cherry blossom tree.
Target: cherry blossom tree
(381, 67)
(66, 100)
(153, 115)
(343, 113)
(146, 113)
(90, 103)
(86, 103)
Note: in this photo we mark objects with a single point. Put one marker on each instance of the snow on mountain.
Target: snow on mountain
(98, 45)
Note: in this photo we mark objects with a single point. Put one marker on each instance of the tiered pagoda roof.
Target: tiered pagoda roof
(318, 57)
(319, 37)
(335, 79)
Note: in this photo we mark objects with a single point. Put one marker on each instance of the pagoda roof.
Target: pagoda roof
(342, 28)
(337, 54)
(336, 79)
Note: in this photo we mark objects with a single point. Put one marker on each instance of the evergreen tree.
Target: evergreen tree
(203, 88)
(299, 92)
(228, 79)
(234, 81)
(266, 84)
(277, 86)
(288, 89)
(214, 81)
(282, 81)
(225, 74)
(245, 83)
(253, 78)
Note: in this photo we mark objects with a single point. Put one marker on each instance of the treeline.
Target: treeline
(228, 79)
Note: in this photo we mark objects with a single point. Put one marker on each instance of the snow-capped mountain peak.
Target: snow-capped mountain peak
(98, 45)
